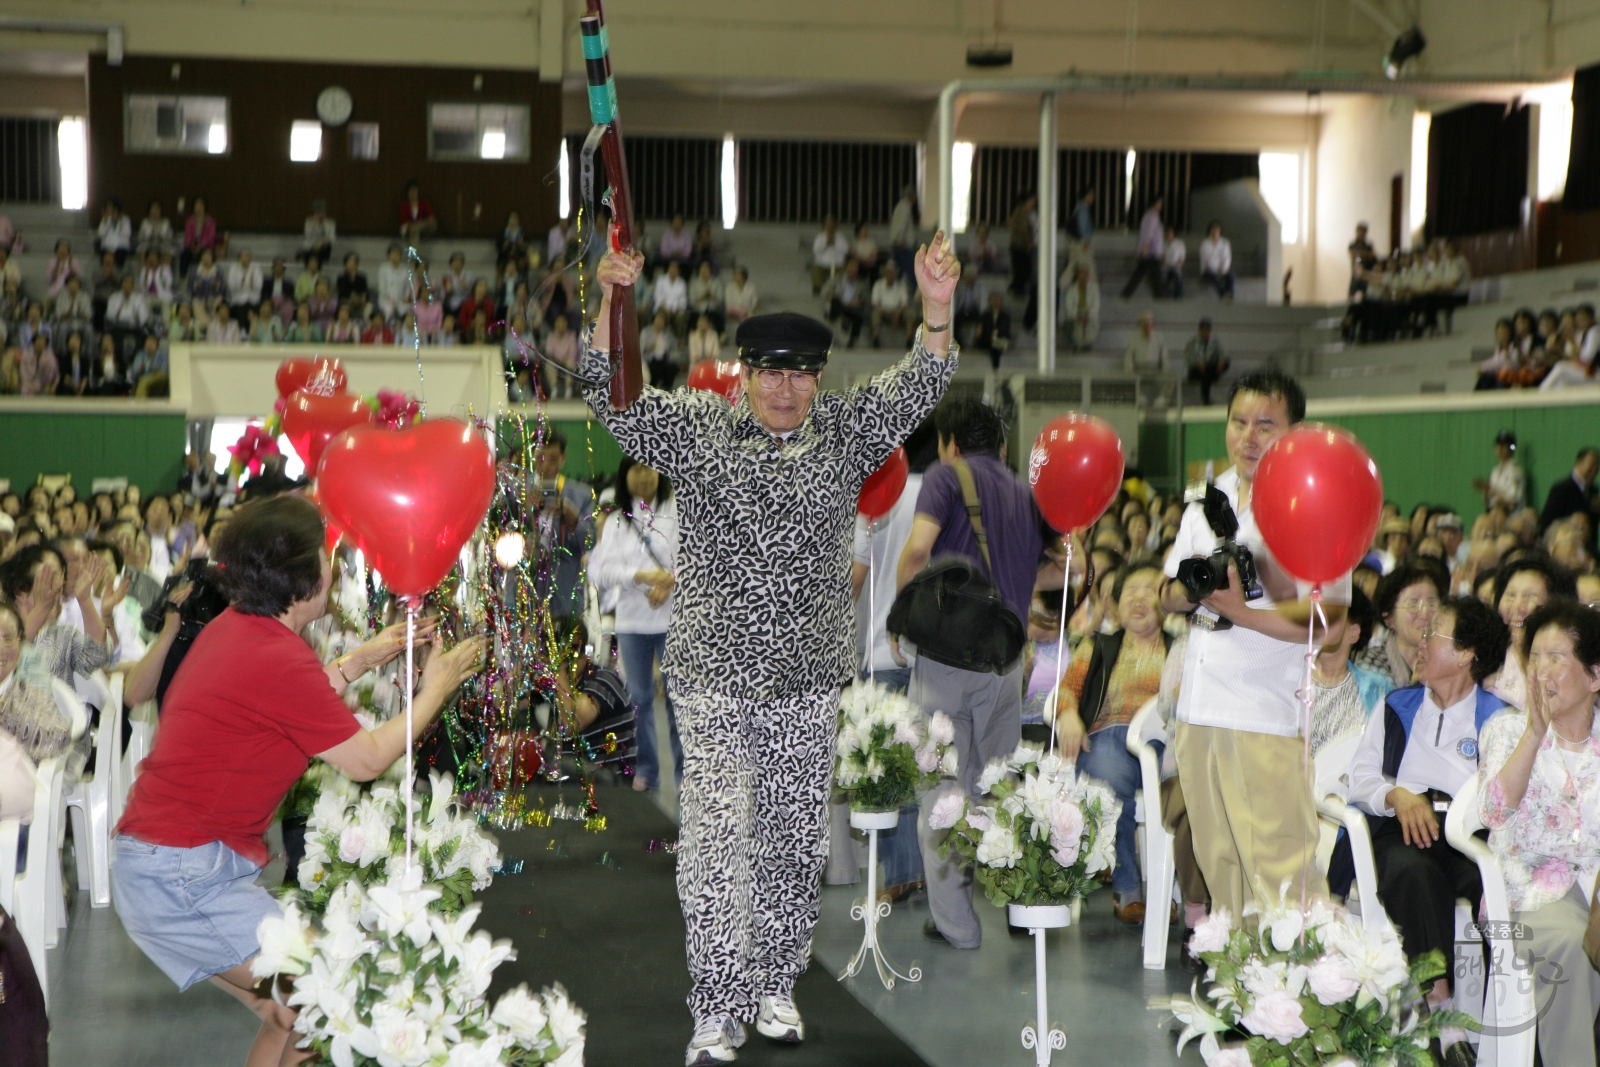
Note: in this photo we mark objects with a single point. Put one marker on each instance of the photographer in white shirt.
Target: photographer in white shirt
(1239, 746)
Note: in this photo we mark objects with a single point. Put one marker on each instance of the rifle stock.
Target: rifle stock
(627, 379)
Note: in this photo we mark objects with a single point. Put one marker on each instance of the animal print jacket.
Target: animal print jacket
(762, 606)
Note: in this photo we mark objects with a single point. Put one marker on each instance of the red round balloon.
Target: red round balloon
(719, 376)
(1316, 497)
(879, 492)
(310, 421)
(297, 373)
(408, 499)
(1075, 470)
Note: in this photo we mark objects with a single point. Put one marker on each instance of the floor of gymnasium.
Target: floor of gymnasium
(598, 913)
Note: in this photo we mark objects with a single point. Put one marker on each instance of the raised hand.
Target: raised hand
(937, 270)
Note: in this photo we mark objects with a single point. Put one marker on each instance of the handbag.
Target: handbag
(953, 613)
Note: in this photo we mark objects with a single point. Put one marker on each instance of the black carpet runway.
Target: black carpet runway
(598, 912)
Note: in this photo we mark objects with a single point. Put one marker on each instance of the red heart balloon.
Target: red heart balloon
(718, 376)
(297, 373)
(310, 421)
(1316, 498)
(408, 499)
(880, 492)
(1075, 469)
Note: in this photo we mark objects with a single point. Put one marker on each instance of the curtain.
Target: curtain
(1477, 170)
(1583, 167)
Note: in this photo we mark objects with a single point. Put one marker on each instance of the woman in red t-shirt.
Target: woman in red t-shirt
(246, 712)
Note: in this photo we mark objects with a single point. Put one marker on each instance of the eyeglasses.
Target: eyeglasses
(1422, 606)
(802, 381)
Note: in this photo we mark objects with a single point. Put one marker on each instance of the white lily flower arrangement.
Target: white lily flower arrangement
(886, 750)
(1310, 987)
(354, 834)
(1038, 835)
(390, 980)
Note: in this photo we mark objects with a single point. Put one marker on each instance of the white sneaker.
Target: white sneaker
(715, 1041)
(780, 1021)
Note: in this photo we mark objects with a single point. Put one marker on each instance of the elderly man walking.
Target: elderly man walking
(761, 638)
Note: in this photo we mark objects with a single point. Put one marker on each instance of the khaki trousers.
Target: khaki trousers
(1250, 813)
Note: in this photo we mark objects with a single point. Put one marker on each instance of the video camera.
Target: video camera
(1200, 577)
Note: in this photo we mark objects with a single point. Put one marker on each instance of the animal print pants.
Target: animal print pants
(753, 820)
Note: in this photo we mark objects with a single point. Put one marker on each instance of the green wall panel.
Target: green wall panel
(591, 450)
(1432, 457)
(147, 449)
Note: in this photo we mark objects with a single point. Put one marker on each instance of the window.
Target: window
(74, 155)
(305, 141)
(1280, 188)
(363, 140)
(478, 131)
(172, 124)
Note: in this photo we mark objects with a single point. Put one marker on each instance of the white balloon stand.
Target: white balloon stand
(1036, 919)
(871, 912)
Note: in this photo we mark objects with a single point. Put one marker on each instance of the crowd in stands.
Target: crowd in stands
(103, 327)
(1547, 350)
(1409, 294)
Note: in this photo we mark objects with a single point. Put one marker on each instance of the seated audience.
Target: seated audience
(417, 220)
(1521, 587)
(155, 230)
(891, 306)
(394, 285)
(352, 281)
(1408, 598)
(658, 345)
(829, 253)
(306, 283)
(706, 297)
(1415, 757)
(677, 244)
(115, 232)
(847, 295)
(199, 234)
(1147, 349)
(704, 342)
(1216, 262)
(1111, 678)
(1345, 694)
(320, 233)
(61, 267)
(1173, 256)
(1080, 307)
(865, 249)
(244, 285)
(672, 296)
(1205, 359)
(207, 285)
(992, 332)
(1540, 775)
(739, 298)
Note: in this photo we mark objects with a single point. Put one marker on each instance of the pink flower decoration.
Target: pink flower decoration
(1276, 1016)
(396, 410)
(253, 445)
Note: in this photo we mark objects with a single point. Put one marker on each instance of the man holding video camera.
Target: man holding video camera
(1239, 747)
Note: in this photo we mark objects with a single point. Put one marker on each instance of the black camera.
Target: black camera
(1203, 576)
(205, 602)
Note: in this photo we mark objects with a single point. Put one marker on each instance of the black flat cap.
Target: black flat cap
(784, 340)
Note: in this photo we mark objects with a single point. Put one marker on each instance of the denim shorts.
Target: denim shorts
(193, 911)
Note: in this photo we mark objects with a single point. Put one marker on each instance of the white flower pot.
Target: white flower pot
(1040, 916)
(874, 820)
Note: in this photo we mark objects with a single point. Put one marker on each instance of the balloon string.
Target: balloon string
(1306, 697)
(411, 803)
(1061, 638)
(872, 604)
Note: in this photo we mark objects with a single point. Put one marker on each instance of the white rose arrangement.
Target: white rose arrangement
(1040, 833)
(390, 980)
(386, 966)
(886, 751)
(356, 834)
(1311, 988)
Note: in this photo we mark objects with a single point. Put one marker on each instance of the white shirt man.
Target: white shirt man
(1216, 256)
(1238, 745)
(671, 294)
(1147, 350)
(1175, 254)
(127, 309)
(889, 295)
(830, 253)
(244, 282)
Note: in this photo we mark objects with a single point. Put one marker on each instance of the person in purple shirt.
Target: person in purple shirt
(1152, 243)
(985, 708)
(677, 244)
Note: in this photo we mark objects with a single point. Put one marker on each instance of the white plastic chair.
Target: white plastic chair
(31, 905)
(1509, 1011)
(1331, 771)
(1159, 866)
(70, 706)
(89, 802)
(142, 720)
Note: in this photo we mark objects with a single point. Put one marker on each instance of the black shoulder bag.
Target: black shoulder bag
(952, 611)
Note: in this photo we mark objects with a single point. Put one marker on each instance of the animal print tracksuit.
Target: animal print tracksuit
(760, 641)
